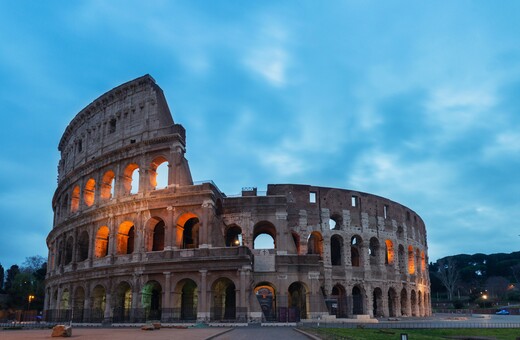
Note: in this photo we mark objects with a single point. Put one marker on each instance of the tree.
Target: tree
(11, 274)
(516, 272)
(33, 263)
(1, 279)
(449, 275)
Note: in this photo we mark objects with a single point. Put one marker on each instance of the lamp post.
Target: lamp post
(29, 300)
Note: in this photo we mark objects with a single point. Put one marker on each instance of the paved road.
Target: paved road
(261, 333)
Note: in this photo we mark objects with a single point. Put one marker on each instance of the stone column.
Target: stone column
(207, 217)
(167, 290)
(203, 310)
(170, 229)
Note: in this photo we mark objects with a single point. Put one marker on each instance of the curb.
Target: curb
(219, 334)
(310, 336)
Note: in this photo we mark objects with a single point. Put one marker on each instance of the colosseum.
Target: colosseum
(125, 248)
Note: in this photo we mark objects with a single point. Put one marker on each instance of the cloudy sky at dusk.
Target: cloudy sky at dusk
(415, 101)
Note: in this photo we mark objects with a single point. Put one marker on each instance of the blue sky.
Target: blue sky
(415, 101)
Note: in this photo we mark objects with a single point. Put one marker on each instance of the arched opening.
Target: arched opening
(400, 232)
(98, 303)
(296, 240)
(373, 251)
(389, 258)
(297, 301)
(89, 193)
(60, 259)
(158, 236)
(413, 302)
(151, 300)
(159, 173)
(79, 305)
(338, 304)
(224, 300)
(411, 262)
(189, 298)
(404, 302)
(74, 200)
(335, 222)
(392, 303)
(402, 259)
(418, 260)
(125, 238)
(83, 245)
(377, 303)
(234, 236)
(336, 250)
(315, 243)
(357, 301)
(187, 230)
(64, 202)
(419, 304)
(108, 185)
(123, 302)
(101, 247)
(266, 295)
(69, 246)
(423, 262)
(131, 179)
(65, 299)
(355, 254)
(264, 236)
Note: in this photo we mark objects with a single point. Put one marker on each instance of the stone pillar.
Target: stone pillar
(203, 313)
(91, 244)
(112, 241)
(167, 290)
(207, 218)
(170, 229)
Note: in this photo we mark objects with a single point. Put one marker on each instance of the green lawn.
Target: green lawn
(414, 334)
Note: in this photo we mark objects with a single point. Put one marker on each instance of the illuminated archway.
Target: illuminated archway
(131, 179)
(108, 185)
(187, 231)
(74, 200)
(315, 243)
(89, 192)
(266, 295)
(102, 239)
(125, 238)
(159, 173)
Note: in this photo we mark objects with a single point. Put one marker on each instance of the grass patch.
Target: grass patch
(415, 334)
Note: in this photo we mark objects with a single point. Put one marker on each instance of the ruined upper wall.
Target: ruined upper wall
(130, 113)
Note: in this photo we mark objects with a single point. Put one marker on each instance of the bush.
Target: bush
(457, 304)
(513, 295)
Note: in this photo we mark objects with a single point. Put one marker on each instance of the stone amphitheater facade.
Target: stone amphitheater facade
(124, 249)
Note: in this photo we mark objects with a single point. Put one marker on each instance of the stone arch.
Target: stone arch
(423, 262)
(90, 192)
(336, 250)
(79, 304)
(358, 300)
(374, 251)
(265, 293)
(377, 302)
(339, 294)
(74, 200)
(404, 302)
(186, 289)
(297, 294)
(402, 259)
(152, 299)
(125, 238)
(233, 236)
(223, 299)
(413, 302)
(122, 302)
(156, 232)
(264, 233)
(131, 179)
(65, 299)
(335, 221)
(356, 243)
(82, 246)
(159, 169)
(99, 299)
(69, 249)
(108, 183)
(390, 254)
(102, 239)
(187, 231)
(392, 302)
(411, 261)
(296, 240)
(315, 243)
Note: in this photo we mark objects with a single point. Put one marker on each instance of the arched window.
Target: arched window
(125, 238)
(83, 244)
(389, 258)
(89, 193)
(74, 201)
(131, 179)
(159, 173)
(69, 249)
(423, 262)
(335, 222)
(224, 299)
(298, 299)
(355, 244)
(411, 262)
(151, 299)
(108, 185)
(264, 236)
(101, 248)
(233, 236)
(373, 250)
(158, 237)
(188, 231)
(402, 256)
(315, 243)
(336, 250)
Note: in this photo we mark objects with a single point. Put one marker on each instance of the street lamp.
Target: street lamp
(29, 299)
